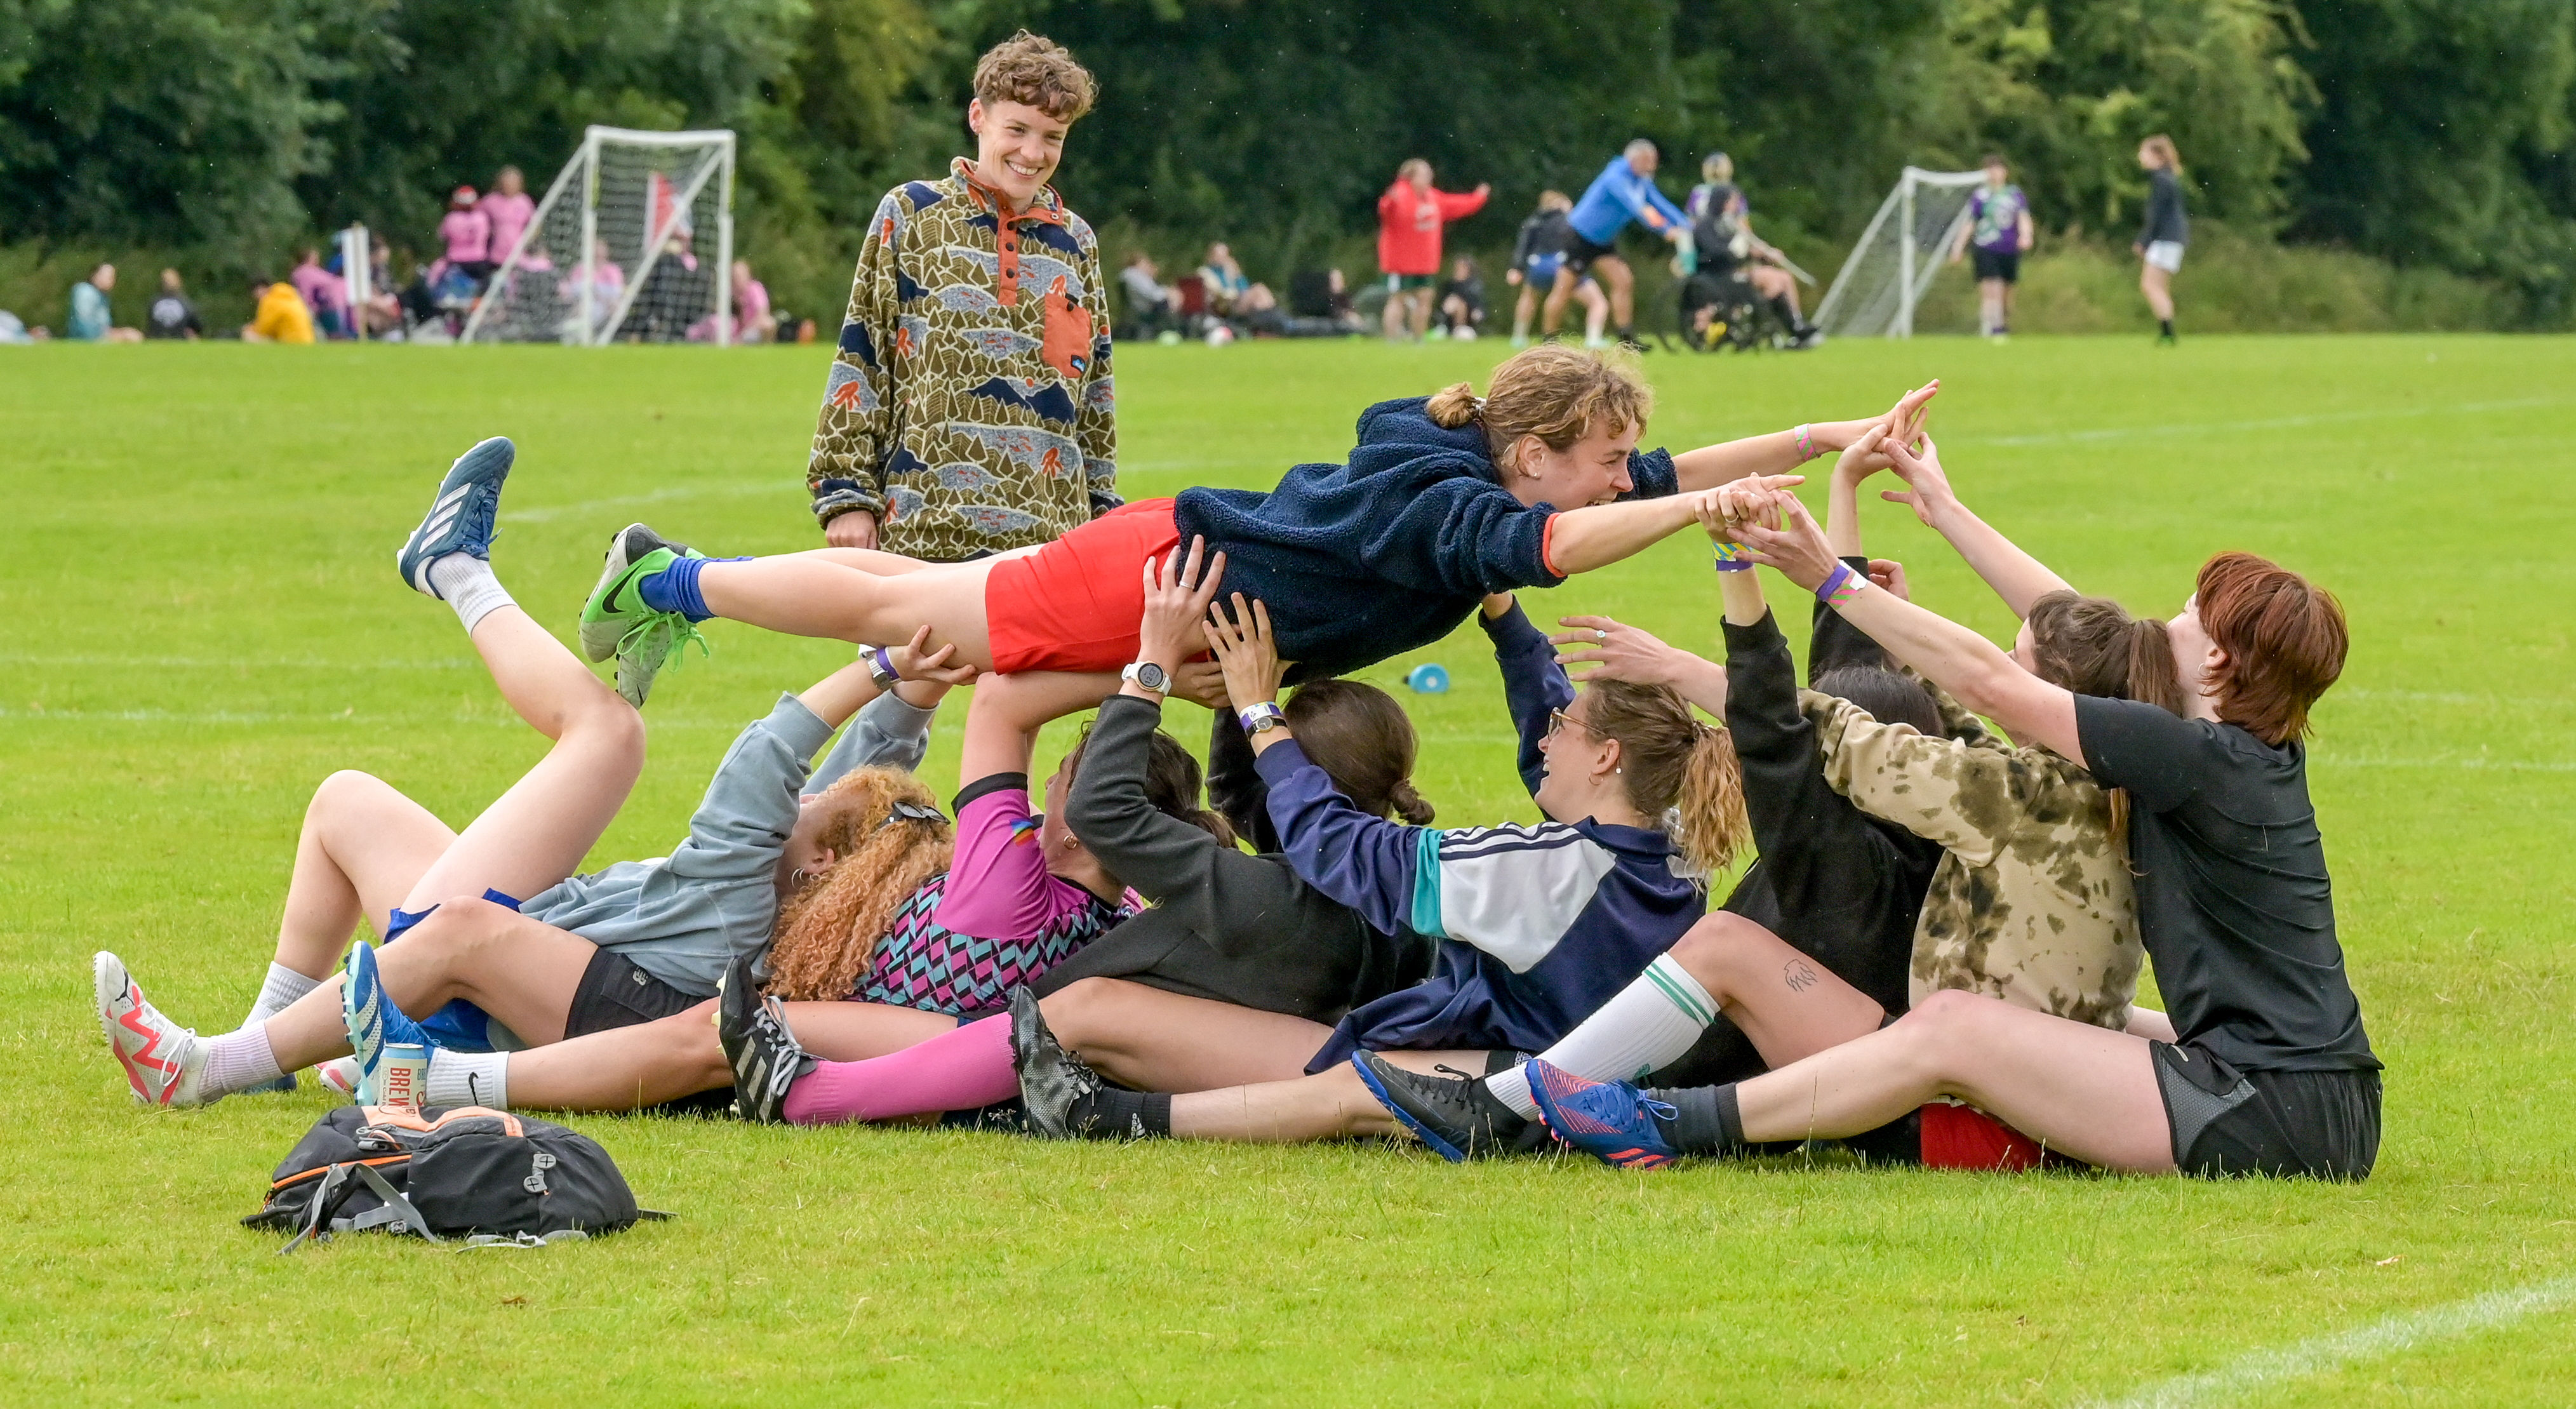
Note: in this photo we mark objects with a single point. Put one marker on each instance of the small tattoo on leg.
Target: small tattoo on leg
(1799, 975)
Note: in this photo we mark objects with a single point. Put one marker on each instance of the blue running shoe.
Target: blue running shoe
(1612, 1121)
(460, 518)
(373, 1020)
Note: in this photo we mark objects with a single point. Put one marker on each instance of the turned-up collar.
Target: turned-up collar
(1048, 207)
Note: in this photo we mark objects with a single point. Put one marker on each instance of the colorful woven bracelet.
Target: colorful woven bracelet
(1734, 557)
(1806, 443)
(1838, 589)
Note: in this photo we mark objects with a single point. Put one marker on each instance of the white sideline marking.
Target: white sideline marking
(241, 662)
(2474, 408)
(547, 513)
(2380, 1338)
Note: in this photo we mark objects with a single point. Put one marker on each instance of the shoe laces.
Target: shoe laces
(681, 631)
(1660, 1110)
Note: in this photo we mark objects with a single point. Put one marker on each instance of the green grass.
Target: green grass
(195, 562)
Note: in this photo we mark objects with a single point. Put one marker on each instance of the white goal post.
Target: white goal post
(1897, 257)
(617, 251)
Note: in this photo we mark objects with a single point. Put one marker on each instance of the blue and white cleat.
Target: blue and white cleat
(1611, 1121)
(460, 518)
(373, 1021)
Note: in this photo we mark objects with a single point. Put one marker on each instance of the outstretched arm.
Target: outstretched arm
(1598, 535)
(2016, 576)
(1949, 655)
(1783, 451)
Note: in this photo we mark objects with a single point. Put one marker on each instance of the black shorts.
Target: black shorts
(2320, 1124)
(614, 993)
(1580, 252)
(1998, 264)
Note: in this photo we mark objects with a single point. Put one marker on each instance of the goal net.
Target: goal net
(1905, 245)
(630, 244)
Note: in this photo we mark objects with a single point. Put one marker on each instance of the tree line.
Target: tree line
(2421, 132)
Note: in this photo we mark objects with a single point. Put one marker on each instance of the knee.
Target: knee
(1942, 1029)
(1715, 950)
(344, 793)
(456, 928)
(1078, 1012)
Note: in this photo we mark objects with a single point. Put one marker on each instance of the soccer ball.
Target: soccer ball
(1218, 335)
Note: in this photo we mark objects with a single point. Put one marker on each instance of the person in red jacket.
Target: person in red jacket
(1409, 217)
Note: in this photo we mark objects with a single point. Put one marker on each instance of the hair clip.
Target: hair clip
(913, 812)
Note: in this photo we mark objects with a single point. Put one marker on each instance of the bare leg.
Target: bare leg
(625, 1068)
(2078, 1088)
(814, 594)
(1554, 314)
(1596, 312)
(1320, 1107)
(1149, 1040)
(1786, 1004)
(1393, 315)
(517, 969)
(854, 1032)
(1522, 309)
(2157, 285)
(1622, 284)
(537, 833)
(872, 560)
(364, 846)
(1421, 313)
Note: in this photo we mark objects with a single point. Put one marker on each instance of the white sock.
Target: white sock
(238, 1061)
(1645, 1026)
(283, 987)
(467, 583)
(468, 1079)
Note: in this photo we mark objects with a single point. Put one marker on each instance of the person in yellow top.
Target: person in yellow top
(281, 315)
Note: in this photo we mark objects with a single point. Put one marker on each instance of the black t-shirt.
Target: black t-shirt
(2233, 899)
(171, 316)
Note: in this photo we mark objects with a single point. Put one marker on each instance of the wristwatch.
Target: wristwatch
(1263, 717)
(880, 666)
(1153, 677)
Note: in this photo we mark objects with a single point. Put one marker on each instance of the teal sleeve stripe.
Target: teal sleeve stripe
(1426, 884)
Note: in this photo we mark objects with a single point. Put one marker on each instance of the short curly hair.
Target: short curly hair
(1033, 69)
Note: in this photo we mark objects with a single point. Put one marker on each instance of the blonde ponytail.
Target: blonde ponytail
(1713, 824)
(1453, 406)
(1676, 768)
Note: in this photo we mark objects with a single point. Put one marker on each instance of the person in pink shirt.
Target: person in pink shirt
(326, 293)
(507, 208)
(467, 233)
(752, 320)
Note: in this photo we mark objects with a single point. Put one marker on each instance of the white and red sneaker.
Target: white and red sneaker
(163, 1061)
(339, 1076)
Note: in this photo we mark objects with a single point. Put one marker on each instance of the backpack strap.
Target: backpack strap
(334, 1187)
(396, 1214)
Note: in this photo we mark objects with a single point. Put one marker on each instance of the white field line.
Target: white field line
(240, 662)
(2185, 428)
(2392, 1336)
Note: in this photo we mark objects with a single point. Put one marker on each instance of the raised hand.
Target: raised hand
(1201, 682)
(1621, 652)
(1889, 576)
(1927, 486)
(1177, 597)
(914, 660)
(1246, 651)
(1797, 548)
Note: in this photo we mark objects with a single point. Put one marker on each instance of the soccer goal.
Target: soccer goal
(1897, 256)
(632, 243)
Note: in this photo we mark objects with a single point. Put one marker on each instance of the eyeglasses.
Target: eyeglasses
(1558, 719)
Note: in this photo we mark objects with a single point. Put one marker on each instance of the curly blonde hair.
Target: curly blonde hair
(1559, 394)
(1033, 69)
(828, 931)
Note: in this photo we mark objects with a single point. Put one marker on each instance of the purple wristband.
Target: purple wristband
(1731, 557)
(1838, 589)
(883, 661)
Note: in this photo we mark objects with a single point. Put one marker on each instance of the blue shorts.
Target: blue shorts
(460, 1026)
(1541, 269)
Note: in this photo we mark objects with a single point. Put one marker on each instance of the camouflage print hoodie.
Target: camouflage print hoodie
(2033, 901)
(969, 406)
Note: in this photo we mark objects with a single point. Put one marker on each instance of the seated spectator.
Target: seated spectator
(172, 315)
(1462, 301)
(752, 320)
(384, 311)
(607, 284)
(467, 232)
(90, 320)
(14, 331)
(325, 293)
(674, 289)
(1230, 295)
(1152, 308)
(280, 315)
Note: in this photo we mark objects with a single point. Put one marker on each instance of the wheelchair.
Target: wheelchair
(1738, 320)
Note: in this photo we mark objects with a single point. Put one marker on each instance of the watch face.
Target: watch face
(1151, 676)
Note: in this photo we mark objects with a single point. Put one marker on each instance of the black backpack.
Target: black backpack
(485, 1176)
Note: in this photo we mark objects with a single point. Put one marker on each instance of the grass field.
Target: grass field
(195, 556)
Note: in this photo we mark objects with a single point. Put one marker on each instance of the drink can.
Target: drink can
(402, 1074)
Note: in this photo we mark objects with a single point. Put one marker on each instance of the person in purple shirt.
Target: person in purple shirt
(1999, 230)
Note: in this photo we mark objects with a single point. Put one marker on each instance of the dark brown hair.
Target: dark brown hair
(1674, 764)
(2285, 640)
(1885, 696)
(1364, 742)
(1556, 393)
(1172, 783)
(1032, 69)
(2092, 646)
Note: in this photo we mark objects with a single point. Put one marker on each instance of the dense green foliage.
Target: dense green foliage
(2419, 132)
(201, 637)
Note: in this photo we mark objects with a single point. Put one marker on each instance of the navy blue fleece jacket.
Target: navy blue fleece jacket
(1388, 553)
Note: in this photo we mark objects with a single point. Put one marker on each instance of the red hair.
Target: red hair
(2284, 637)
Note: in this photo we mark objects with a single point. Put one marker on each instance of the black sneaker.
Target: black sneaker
(1052, 1080)
(765, 1057)
(1455, 1115)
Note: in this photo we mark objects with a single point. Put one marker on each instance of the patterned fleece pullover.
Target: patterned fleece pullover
(2032, 902)
(969, 405)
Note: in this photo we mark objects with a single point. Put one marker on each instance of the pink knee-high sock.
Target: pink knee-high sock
(956, 1071)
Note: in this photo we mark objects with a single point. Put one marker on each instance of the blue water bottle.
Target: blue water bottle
(1428, 679)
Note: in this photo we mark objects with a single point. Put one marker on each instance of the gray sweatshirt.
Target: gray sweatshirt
(683, 917)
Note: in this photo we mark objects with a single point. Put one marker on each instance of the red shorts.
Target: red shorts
(1963, 1137)
(1074, 604)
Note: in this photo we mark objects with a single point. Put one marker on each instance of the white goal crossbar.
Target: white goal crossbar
(1887, 273)
(710, 164)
